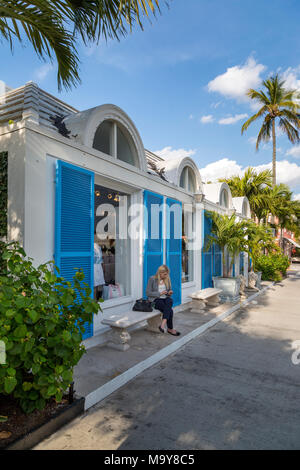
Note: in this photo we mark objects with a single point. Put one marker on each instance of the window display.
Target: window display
(187, 252)
(112, 246)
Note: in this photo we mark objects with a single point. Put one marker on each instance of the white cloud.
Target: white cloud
(296, 197)
(291, 76)
(216, 105)
(232, 119)
(287, 172)
(252, 140)
(223, 168)
(237, 80)
(294, 151)
(207, 119)
(42, 72)
(168, 153)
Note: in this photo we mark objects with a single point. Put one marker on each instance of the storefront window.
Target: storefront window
(187, 252)
(113, 139)
(103, 139)
(187, 179)
(224, 198)
(111, 244)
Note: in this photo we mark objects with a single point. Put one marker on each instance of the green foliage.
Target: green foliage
(227, 233)
(259, 239)
(41, 324)
(3, 194)
(272, 266)
(254, 185)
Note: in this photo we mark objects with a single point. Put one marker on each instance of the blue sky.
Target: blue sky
(183, 79)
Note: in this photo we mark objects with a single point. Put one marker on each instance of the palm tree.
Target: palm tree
(253, 185)
(285, 209)
(53, 26)
(277, 103)
(259, 239)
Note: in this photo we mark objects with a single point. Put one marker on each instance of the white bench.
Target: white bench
(205, 297)
(119, 336)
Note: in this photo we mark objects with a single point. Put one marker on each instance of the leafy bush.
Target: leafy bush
(272, 266)
(41, 324)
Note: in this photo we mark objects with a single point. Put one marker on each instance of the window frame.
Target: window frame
(113, 142)
(189, 178)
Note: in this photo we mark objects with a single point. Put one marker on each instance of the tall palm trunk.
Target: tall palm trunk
(225, 273)
(274, 153)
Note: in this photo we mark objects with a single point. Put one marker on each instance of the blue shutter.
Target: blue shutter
(207, 256)
(233, 270)
(153, 242)
(217, 260)
(74, 225)
(174, 246)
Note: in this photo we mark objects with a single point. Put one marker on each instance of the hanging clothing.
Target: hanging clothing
(98, 269)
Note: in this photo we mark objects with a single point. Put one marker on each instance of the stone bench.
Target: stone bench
(120, 323)
(205, 297)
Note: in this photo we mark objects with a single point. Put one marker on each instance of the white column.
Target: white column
(198, 243)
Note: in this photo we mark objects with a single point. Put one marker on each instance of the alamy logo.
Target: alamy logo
(2, 353)
(296, 353)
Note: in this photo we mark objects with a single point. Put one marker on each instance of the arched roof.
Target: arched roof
(83, 127)
(242, 206)
(213, 193)
(174, 168)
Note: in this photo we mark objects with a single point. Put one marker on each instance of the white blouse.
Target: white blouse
(162, 288)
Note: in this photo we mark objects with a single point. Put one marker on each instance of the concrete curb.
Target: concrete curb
(105, 390)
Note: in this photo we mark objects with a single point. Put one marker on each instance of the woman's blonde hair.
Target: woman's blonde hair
(167, 281)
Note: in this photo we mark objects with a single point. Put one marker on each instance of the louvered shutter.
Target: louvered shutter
(74, 224)
(174, 246)
(207, 256)
(153, 235)
(217, 260)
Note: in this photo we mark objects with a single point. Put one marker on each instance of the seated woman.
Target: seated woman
(159, 291)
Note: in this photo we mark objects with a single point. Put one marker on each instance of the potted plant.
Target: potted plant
(230, 237)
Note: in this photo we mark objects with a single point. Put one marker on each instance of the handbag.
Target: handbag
(113, 291)
(143, 305)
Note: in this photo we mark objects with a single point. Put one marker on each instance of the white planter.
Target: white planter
(230, 287)
(258, 281)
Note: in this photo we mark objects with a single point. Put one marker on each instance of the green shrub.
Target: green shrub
(41, 324)
(272, 266)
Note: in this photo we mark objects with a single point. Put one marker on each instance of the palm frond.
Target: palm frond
(46, 32)
(289, 130)
(253, 118)
(265, 131)
(52, 26)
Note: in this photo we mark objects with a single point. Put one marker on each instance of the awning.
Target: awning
(292, 241)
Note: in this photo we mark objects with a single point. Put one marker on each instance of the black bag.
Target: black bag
(143, 305)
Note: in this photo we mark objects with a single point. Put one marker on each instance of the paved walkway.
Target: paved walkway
(235, 387)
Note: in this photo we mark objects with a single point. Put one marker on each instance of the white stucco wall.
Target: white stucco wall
(33, 151)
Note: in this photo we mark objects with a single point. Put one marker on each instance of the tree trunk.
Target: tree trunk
(224, 263)
(274, 153)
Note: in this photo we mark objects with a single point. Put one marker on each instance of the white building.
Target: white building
(69, 170)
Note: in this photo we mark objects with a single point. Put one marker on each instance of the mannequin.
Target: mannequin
(98, 270)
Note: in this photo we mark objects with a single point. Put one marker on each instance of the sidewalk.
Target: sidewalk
(101, 364)
(234, 387)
